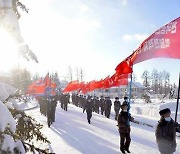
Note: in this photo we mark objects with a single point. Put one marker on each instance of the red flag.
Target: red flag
(165, 43)
(125, 67)
(118, 79)
(106, 82)
(72, 86)
(85, 88)
(53, 85)
(47, 80)
(92, 85)
(80, 85)
(99, 84)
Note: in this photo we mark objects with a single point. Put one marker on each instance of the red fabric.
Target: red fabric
(80, 85)
(92, 85)
(39, 89)
(117, 79)
(125, 67)
(72, 86)
(53, 85)
(86, 88)
(99, 84)
(106, 82)
(165, 43)
(47, 80)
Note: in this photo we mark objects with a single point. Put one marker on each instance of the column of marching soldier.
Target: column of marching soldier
(166, 142)
(90, 104)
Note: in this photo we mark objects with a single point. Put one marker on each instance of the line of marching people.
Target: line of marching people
(64, 100)
(94, 104)
(165, 132)
(48, 106)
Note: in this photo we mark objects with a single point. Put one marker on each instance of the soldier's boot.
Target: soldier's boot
(89, 121)
(122, 147)
(127, 144)
(122, 150)
(49, 124)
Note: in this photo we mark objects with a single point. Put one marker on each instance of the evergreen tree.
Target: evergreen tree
(146, 79)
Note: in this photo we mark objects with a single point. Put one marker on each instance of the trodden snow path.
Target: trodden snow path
(71, 134)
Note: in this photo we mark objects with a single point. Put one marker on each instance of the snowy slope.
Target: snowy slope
(71, 134)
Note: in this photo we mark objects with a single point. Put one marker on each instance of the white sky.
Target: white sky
(92, 35)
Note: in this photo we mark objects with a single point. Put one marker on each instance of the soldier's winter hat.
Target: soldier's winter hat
(164, 111)
(124, 104)
(116, 97)
(125, 97)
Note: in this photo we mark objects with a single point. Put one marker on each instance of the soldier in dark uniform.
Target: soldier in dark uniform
(97, 104)
(166, 132)
(124, 119)
(117, 106)
(48, 108)
(102, 105)
(76, 100)
(53, 107)
(108, 105)
(88, 107)
(72, 97)
(83, 101)
(66, 101)
(44, 106)
(80, 101)
(94, 103)
(62, 101)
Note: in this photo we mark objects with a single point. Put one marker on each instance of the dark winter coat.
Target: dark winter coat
(166, 136)
(117, 106)
(88, 106)
(108, 104)
(102, 103)
(123, 122)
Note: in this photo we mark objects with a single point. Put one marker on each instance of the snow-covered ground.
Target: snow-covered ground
(27, 105)
(71, 134)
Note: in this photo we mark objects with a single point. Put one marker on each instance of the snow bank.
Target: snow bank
(5, 91)
(9, 144)
(6, 118)
(151, 110)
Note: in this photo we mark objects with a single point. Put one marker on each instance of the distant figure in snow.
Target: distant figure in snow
(102, 104)
(89, 108)
(97, 104)
(166, 132)
(66, 102)
(108, 105)
(123, 120)
(117, 106)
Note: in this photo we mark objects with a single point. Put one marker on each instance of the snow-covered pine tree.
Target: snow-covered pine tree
(19, 132)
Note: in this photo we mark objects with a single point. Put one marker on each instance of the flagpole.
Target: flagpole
(102, 92)
(119, 91)
(177, 100)
(130, 88)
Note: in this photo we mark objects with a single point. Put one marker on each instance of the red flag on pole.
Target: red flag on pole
(118, 79)
(125, 67)
(165, 43)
